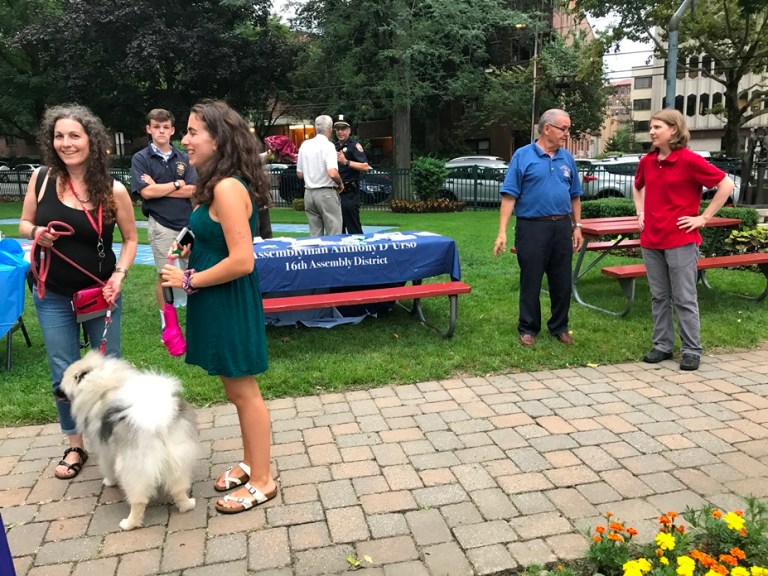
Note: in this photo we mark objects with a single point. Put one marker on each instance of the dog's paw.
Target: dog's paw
(187, 506)
(126, 524)
(109, 482)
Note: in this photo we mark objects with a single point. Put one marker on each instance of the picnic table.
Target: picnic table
(622, 229)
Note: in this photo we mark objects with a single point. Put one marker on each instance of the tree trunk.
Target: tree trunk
(401, 130)
(734, 116)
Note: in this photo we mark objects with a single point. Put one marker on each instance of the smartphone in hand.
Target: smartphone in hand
(185, 237)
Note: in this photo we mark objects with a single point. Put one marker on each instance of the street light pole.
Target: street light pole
(535, 85)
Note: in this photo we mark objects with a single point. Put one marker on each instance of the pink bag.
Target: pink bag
(173, 337)
(89, 303)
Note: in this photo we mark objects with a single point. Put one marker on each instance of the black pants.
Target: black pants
(350, 209)
(544, 247)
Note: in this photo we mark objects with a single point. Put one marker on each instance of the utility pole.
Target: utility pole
(674, 25)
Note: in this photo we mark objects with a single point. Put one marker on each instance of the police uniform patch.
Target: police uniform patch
(181, 168)
(359, 148)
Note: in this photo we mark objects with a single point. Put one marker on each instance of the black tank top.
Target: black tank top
(63, 278)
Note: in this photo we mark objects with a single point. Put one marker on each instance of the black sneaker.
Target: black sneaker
(655, 356)
(690, 361)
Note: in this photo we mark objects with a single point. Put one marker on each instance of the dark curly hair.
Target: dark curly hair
(237, 153)
(98, 180)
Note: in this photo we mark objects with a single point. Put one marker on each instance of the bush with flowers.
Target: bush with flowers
(716, 544)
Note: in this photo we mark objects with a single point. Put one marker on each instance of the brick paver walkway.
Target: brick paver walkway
(457, 477)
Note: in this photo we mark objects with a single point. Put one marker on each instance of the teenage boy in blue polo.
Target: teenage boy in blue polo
(543, 189)
(161, 174)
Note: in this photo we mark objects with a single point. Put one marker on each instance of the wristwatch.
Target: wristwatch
(176, 184)
(578, 225)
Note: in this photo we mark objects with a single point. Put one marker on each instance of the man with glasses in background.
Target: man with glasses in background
(543, 189)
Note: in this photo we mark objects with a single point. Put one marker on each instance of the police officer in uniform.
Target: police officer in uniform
(352, 162)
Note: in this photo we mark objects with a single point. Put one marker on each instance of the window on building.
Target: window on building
(642, 125)
(481, 147)
(703, 104)
(743, 99)
(10, 140)
(755, 106)
(717, 99)
(681, 69)
(642, 104)
(679, 104)
(693, 65)
(690, 105)
(642, 82)
(706, 63)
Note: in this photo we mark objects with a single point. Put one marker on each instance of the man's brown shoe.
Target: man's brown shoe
(527, 340)
(564, 338)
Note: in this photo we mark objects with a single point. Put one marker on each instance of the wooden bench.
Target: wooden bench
(626, 275)
(604, 246)
(415, 292)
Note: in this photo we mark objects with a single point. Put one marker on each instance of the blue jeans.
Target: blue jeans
(61, 336)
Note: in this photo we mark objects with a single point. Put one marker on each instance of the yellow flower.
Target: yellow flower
(734, 521)
(739, 571)
(685, 566)
(664, 561)
(711, 573)
(665, 541)
(636, 567)
(758, 571)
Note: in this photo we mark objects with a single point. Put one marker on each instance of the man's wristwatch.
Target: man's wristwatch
(578, 225)
(176, 184)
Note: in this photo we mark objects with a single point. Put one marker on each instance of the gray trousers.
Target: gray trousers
(672, 279)
(323, 208)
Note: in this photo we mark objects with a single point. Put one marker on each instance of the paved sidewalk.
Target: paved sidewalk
(457, 477)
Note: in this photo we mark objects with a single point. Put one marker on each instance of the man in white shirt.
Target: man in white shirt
(319, 168)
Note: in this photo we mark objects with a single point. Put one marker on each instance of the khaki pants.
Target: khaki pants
(323, 208)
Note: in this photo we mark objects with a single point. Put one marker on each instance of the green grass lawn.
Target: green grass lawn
(395, 349)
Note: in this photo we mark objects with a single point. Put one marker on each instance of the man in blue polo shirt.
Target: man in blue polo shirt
(542, 187)
(161, 174)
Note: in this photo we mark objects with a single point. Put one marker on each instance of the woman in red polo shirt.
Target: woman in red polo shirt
(667, 195)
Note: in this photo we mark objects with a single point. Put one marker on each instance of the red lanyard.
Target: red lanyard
(98, 229)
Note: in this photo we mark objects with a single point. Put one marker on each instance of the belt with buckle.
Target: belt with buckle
(548, 218)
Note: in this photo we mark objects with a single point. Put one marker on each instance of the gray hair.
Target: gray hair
(323, 125)
(550, 116)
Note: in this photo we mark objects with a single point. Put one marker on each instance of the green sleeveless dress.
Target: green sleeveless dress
(225, 323)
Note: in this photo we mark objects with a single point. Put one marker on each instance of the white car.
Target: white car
(475, 179)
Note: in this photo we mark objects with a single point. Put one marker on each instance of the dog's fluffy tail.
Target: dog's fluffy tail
(152, 401)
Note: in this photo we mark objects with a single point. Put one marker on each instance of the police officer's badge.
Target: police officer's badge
(358, 146)
(181, 168)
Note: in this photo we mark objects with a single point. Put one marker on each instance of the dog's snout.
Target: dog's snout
(59, 394)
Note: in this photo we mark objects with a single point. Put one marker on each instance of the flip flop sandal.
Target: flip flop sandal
(246, 503)
(233, 481)
(76, 466)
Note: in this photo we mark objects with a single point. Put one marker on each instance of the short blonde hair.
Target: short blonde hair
(674, 119)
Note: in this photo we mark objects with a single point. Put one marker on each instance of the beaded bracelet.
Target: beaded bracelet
(186, 281)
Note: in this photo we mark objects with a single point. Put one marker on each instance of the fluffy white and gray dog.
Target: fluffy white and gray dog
(144, 433)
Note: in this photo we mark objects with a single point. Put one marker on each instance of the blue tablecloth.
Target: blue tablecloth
(359, 260)
(13, 270)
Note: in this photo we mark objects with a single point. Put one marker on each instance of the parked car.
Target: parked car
(20, 173)
(614, 178)
(375, 186)
(475, 179)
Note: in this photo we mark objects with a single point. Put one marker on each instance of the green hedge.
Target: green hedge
(713, 239)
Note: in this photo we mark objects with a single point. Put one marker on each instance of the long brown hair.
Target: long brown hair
(674, 119)
(236, 154)
(98, 180)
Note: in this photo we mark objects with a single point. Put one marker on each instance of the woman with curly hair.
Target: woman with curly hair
(76, 189)
(225, 318)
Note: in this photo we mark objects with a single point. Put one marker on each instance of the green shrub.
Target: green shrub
(434, 205)
(714, 239)
(745, 241)
(428, 177)
(607, 208)
(298, 204)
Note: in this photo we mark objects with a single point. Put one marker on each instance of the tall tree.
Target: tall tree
(389, 57)
(734, 33)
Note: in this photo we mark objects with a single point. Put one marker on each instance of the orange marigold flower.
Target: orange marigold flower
(665, 520)
(597, 538)
(608, 514)
(743, 532)
(728, 559)
(672, 515)
(739, 512)
(720, 569)
(631, 531)
(616, 526)
(659, 552)
(717, 514)
(600, 529)
(738, 553)
(681, 529)
(616, 537)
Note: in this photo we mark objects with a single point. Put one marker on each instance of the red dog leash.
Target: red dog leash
(45, 264)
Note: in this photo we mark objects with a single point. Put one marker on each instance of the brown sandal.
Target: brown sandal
(76, 466)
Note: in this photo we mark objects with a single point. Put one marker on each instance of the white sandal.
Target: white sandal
(233, 481)
(246, 503)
